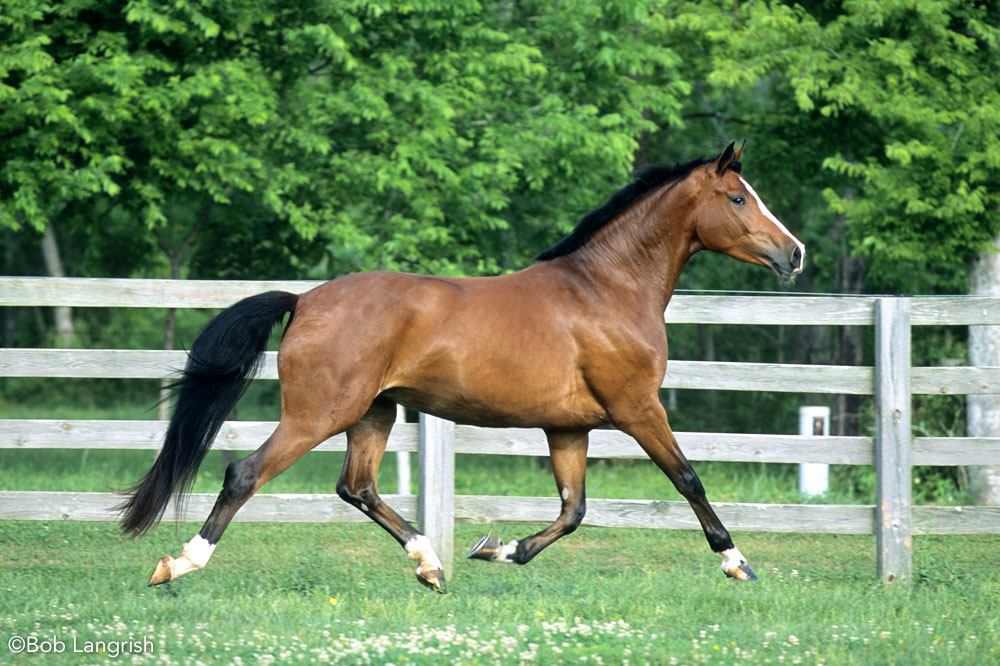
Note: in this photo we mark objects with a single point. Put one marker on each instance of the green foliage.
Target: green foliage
(905, 97)
(415, 136)
(294, 139)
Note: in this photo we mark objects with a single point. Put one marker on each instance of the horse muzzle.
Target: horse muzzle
(787, 264)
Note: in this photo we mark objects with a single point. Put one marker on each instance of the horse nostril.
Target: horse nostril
(797, 257)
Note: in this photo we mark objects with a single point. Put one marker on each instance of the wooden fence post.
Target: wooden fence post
(436, 501)
(402, 460)
(892, 438)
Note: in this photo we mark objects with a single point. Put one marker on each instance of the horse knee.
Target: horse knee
(689, 485)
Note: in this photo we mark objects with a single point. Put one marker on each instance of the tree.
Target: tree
(419, 136)
(904, 97)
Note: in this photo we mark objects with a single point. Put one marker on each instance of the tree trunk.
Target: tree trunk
(54, 266)
(850, 340)
(850, 345)
(982, 412)
(177, 256)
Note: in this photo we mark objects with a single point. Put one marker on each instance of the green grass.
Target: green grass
(346, 593)
(598, 596)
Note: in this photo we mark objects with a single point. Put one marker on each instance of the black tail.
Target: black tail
(225, 357)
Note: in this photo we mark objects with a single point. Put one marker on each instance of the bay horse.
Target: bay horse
(570, 343)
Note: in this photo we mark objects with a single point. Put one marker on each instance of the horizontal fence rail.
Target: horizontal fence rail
(683, 308)
(701, 446)
(732, 376)
(503, 510)
(444, 440)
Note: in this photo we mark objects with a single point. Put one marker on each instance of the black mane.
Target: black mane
(644, 181)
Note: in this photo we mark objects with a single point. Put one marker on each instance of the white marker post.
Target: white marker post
(814, 478)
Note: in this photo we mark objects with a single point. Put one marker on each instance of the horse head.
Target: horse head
(731, 218)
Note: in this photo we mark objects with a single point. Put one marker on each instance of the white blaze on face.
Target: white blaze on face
(769, 215)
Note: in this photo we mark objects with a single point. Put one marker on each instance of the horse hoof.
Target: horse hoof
(488, 548)
(742, 572)
(434, 580)
(162, 572)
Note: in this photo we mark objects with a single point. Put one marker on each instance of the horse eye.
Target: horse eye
(739, 200)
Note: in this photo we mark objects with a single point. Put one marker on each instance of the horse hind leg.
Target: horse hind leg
(366, 441)
(568, 452)
(244, 477)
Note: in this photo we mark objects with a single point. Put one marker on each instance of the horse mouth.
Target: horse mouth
(784, 274)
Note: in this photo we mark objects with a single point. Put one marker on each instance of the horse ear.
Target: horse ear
(739, 151)
(724, 159)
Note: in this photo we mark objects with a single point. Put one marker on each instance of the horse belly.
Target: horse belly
(501, 386)
(487, 411)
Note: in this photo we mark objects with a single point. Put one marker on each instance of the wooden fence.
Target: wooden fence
(891, 381)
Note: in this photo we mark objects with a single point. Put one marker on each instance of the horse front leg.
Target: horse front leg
(568, 452)
(650, 428)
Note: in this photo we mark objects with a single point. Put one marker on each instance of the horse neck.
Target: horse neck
(645, 248)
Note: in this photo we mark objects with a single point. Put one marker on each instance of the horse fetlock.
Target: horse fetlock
(492, 549)
(430, 572)
(735, 565)
(194, 555)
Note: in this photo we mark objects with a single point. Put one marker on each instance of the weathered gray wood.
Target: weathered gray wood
(956, 380)
(248, 435)
(698, 446)
(787, 377)
(730, 447)
(683, 308)
(234, 435)
(954, 310)
(956, 520)
(770, 310)
(328, 508)
(892, 438)
(402, 457)
(156, 364)
(129, 293)
(436, 499)
(263, 507)
(825, 310)
(820, 518)
(124, 363)
(105, 363)
(955, 451)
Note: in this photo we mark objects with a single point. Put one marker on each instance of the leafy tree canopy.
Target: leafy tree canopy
(910, 88)
(438, 136)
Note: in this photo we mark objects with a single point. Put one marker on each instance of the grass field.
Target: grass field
(300, 593)
(346, 594)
